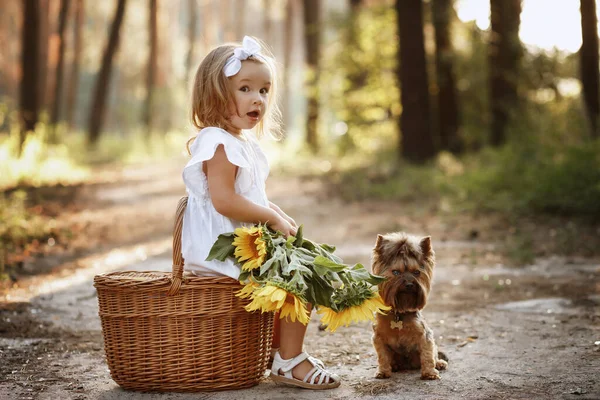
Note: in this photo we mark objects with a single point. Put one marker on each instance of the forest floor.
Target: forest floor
(510, 332)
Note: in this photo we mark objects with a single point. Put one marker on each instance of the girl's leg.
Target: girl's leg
(276, 332)
(291, 341)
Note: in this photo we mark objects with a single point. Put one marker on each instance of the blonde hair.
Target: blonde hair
(211, 95)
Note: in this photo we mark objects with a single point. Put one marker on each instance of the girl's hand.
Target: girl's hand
(283, 226)
(283, 215)
(291, 221)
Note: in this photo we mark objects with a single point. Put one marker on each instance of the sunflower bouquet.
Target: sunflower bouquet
(285, 274)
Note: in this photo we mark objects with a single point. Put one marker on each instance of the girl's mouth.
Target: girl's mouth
(253, 115)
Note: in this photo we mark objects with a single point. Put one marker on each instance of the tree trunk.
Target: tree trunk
(209, 30)
(415, 127)
(447, 100)
(312, 41)
(103, 82)
(192, 23)
(356, 76)
(74, 80)
(30, 54)
(504, 59)
(152, 65)
(240, 19)
(288, 34)
(44, 44)
(267, 21)
(589, 63)
(62, 23)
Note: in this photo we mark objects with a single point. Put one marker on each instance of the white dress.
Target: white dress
(202, 224)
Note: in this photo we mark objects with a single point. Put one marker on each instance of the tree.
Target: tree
(62, 23)
(152, 64)
(504, 58)
(288, 44)
(102, 83)
(589, 63)
(447, 100)
(74, 79)
(44, 44)
(415, 127)
(267, 20)
(356, 75)
(240, 19)
(312, 40)
(193, 17)
(29, 96)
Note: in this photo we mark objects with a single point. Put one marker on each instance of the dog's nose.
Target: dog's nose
(409, 284)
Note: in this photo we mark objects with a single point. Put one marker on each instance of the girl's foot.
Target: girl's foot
(303, 371)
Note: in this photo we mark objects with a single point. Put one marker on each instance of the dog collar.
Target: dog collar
(396, 323)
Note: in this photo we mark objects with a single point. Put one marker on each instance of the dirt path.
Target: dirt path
(514, 333)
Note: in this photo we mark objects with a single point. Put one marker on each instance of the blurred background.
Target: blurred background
(473, 105)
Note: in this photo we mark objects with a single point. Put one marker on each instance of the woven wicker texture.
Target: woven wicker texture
(166, 331)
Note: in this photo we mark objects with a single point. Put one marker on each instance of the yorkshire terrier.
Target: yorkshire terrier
(401, 337)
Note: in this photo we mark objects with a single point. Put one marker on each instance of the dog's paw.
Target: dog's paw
(441, 364)
(383, 375)
(430, 375)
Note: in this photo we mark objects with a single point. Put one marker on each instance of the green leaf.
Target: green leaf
(319, 291)
(222, 248)
(266, 265)
(325, 263)
(358, 273)
(307, 244)
(299, 237)
(328, 248)
(244, 275)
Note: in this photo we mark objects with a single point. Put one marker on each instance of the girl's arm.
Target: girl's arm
(283, 214)
(220, 174)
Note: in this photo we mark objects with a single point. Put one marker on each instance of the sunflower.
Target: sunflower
(268, 298)
(361, 312)
(278, 296)
(247, 290)
(296, 308)
(250, 246)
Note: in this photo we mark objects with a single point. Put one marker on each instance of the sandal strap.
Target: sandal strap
(291, 364)
(317, 373)
(316, 361)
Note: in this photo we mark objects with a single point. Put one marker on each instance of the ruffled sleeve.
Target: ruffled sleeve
(203, 149)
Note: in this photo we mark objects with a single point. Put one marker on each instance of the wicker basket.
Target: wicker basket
(172, 332)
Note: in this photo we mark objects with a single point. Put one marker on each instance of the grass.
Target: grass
(27, 228)
(70, 160)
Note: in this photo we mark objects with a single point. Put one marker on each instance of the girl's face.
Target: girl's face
(250, 88)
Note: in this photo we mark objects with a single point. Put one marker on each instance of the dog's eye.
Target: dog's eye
(416, 273)
(396, 272)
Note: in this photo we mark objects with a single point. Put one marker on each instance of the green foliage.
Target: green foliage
(359, 73)
(68, 159)
(20, 229)
(39, 163)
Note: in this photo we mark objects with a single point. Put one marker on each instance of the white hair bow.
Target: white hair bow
(250, 48)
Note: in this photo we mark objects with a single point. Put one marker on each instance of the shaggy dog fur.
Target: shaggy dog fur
(401, 337)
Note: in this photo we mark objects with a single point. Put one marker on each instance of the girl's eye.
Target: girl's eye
(416, 273)
(244, 88)
(264, 91)
(396, 272)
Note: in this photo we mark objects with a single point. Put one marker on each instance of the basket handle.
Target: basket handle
(177, 275)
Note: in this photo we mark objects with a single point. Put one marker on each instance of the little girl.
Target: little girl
(234, 92)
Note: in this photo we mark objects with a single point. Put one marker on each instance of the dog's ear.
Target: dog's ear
(379, 242)
(425, 245)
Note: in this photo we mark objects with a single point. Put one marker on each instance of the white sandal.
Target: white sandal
(275, 351)
(318, 378)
